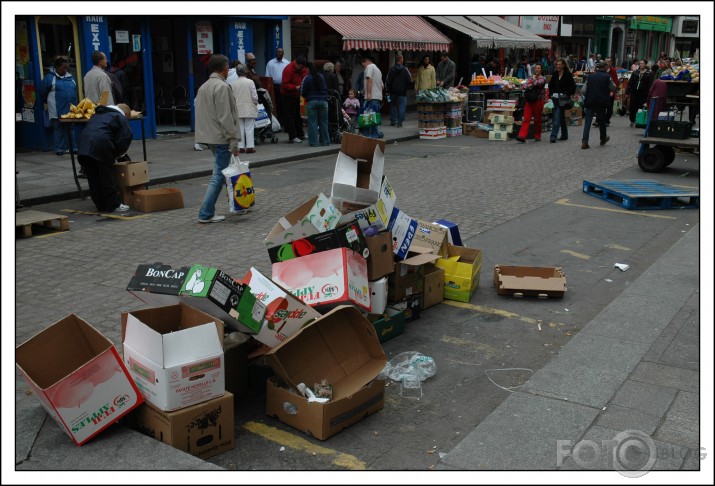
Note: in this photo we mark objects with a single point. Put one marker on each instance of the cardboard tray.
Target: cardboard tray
(522, 281)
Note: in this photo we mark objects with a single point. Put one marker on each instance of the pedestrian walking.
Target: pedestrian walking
(614, 76)
(396, 84)
(373, 93)
(533, 104)
(217, 125)
(561, 90)
(105, 138)
(58, 89)
(274, 69)
(426, 76)
(446, 71)
(315, 92)
(96, 81)
(597, 92)
(293, 75)
(637, 90)
(246, 99)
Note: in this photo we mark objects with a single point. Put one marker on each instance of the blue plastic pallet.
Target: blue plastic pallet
(642, 194)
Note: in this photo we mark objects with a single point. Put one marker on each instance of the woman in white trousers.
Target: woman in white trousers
(244, 91)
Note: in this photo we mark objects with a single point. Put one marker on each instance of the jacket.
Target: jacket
(639, 83)
(535, 83)
(106, 136)
(314, 93)
(95, 82)
(597, 89)
(292, 78)
(565, 85)
(398, 80)
(244, 91)
(58, 92)
(426, 78)
(446, 71)
(331, 80)
(216, 114)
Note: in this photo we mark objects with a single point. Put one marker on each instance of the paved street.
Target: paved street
(620, 351)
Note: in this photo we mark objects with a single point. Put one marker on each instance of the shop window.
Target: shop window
(57, 39)
(126, 61)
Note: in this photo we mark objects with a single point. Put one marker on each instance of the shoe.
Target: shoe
(198, 147)
(520, 139)
(380, 135)
(241, 151)
(604, 140)
(122, 208)
(563, 138)
(552, 140)
(399, 125)
(584, 145)
(296, 140)
(392, 124)
(214, 219)
(304, 137)
(250, 151)
(241, 212)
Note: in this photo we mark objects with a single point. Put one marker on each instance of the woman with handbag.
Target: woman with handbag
(561, 88)
(534, 104)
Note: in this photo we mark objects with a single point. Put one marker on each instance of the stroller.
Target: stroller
(338, 120)
(264, 120)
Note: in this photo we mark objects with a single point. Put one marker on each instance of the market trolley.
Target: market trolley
(662, 137)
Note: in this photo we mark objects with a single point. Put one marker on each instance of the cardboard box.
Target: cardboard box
(411, 307)
(312, 217)
(381, 260)
(236, 347)
(326, 279)
(402, 228)
(501, 105)
(208, 289)
(174, 354)
(468, 128)
(430, 237)
(500, 136)
(453, 235)
(388, 324)
(152, 200)
(531, 281)
(359, 169)
(433, 133)
(377, 214)
(433, 289)
(344, 236)
(78, 377)
(342, 348)
(131, 173)
(503, 127)
(203, 430)
(497, 118)
(480, 133)
(378, 295)
(406, 280)
(285, 313)
(126, 193)
(461, 272)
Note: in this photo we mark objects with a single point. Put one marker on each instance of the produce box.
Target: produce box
(433, 133)
(461, 272)
(529, 281)
(131, 173)
(501, 136)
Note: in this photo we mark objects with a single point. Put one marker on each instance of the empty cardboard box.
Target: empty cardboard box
(461, 272)
(131, 173)
(433, 289)
(152, 200)
(381, 260)
(529, 281)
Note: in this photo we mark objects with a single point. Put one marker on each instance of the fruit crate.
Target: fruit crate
(670, 129)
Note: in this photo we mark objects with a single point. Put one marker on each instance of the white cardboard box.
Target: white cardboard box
(312, 217)
(358, 169)
(403, 230)
(174, 354)
(378, 295)
(377, 214)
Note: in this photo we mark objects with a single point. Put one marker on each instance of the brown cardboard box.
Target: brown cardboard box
(433, 290)
(131, 173)
(341, 347)
(530, 281)
(381, 260)
(151, 200)
(203, 430)
(126, 193)
(236, 347)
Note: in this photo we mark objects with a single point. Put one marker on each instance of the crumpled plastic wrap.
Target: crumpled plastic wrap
(409, 364)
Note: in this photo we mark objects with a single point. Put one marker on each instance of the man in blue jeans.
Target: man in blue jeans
(398, 80)
(217, 127)
(373, 93)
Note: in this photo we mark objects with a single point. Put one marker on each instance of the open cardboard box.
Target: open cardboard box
(461, 272)
(174, 354)
(203, 430)
(326, 279)
(312, 217)
(530, 281)
(388, 324)
(78, 376)
(340, 347)
(344, 236)
(131, 173)
(358, 169)
(433, 289)
(376, 214)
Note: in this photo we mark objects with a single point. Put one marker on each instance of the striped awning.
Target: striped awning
(493, 31)
(387, 33)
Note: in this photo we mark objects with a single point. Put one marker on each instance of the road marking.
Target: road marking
(51, 234)
(287, 439)
(565, 202)
(617, 247)
(498, 312)
(104, 215)
(576, 254)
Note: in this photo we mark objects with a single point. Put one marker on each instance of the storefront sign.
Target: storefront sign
(540, 24)
(240, 34)
(277, 41)
(204, 38)
(122, 36)
(647, 22)
(136, 43)
(95, 37)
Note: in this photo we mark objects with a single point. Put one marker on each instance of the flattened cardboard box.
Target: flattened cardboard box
(530, 281)
(78, 376)
(203, 430)
(174, 354)
(341, 347)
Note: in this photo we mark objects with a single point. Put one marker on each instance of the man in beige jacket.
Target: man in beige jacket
(217, 127)
(97, 81)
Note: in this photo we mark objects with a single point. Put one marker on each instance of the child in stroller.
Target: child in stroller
(264, 120)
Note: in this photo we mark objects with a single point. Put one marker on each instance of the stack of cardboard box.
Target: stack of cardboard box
(132, 179)
(130, 176)
(453, 119)
(431, 120)
(500, 115)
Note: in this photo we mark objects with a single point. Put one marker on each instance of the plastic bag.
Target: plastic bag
(409, 364)
(262, 119)
(641, 118)
(275, 125)
(239, 186)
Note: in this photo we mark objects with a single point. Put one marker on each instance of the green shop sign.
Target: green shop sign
(646, 22)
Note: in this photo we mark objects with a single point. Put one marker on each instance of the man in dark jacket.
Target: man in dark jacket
(397, 82)
(106, 137)
(597, 91)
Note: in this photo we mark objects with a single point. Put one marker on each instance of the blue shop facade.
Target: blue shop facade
(162, 57)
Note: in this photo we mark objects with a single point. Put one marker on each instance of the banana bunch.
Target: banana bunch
(84, 109)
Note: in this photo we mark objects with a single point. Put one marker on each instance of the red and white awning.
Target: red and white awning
(387, 33)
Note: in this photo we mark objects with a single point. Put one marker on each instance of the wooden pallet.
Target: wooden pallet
(24, 220)
(642, 194)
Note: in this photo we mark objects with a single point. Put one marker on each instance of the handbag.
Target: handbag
(564, 101)
(641, 118)
(532, 94)
(239, 186)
